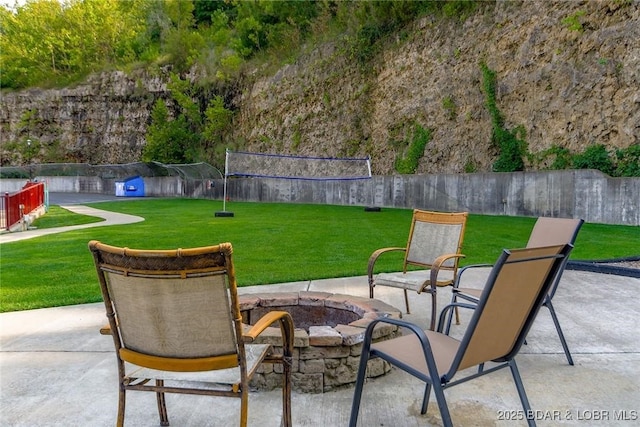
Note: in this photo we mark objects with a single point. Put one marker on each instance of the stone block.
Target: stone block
(265, 368)
(313, 298)
(350, 335)
(356, 350)
(307, 383)
(324, 336)
(276, 299)
(339, 376)
(383, 330)
(312, 352)
(331, 364)
(271, 381)
(270, 335)
(312, 366)
(248, 302)
(353, 362)
(377, 367)
(273, 336)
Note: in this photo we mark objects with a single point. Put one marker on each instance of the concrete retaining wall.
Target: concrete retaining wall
(586, 194)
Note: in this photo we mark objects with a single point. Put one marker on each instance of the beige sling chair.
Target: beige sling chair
(174, 317)
(518, 284)
(545, 232)
(434, 246)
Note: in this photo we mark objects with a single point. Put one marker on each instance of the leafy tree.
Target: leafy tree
(188, 135)
(48, 40)
(204, 11)
(167, 139)
(217, 120)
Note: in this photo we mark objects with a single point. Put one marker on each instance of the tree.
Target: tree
(168, 140)
(187, 135)
(54, 41)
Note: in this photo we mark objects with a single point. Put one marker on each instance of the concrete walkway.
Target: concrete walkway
(57, 370)
(110, 218)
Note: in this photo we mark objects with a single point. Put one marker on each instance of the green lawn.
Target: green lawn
(273, 243)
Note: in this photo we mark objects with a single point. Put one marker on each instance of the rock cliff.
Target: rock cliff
(568, 73)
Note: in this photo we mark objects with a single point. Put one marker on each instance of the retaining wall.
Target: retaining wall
(586, 194)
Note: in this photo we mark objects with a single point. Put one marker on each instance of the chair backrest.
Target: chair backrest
(433, 234)
(510, 300)
(171, 303)
(555, 231)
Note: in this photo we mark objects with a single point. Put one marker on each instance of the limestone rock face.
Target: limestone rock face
(102, 120)
(566, 85)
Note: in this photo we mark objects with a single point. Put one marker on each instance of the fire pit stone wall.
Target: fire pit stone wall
(328, 337)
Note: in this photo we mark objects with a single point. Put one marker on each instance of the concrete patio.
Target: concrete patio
(57, 370)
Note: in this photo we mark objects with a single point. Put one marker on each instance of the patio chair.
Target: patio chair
(435, 243)
(174, 317)
(514, 291)
(545, 232)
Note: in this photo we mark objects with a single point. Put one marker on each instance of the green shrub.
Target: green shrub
(408, 164)
(554, 158)
(510, 143)
(573, 23)
(594, 157)
(628, 161)
(449, 105)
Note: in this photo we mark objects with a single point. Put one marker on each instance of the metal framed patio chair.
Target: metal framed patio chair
(514, 291)
(177, 328)
(434, 246)
(546, 231)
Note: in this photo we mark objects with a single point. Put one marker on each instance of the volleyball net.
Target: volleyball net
(245, 164)
(261, 165)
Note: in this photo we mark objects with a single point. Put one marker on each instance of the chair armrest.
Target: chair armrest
(449, 307)
(374, 257)
(435, 269)
(456, 282)
(286, 327)
(412, 328)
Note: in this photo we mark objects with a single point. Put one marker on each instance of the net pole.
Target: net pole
(372, 207)
(226, 173)
(224, 212)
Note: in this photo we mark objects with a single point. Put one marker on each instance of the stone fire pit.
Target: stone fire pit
(328, 338)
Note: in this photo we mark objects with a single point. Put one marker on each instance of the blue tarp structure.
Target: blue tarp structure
(130, 187)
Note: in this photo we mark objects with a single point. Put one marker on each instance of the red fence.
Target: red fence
(15, 205)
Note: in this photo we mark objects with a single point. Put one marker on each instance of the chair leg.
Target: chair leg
(286, 394)
(406, 300)
(425, 398)
(556, 322)
(357, 393)
(121, 406)
(438, 391)
(244, 403)
(523, 395)
(162, 405)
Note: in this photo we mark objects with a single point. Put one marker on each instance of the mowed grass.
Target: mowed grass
(273, 243)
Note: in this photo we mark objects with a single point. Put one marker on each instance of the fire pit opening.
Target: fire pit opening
(306, 316)
(328, 338)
